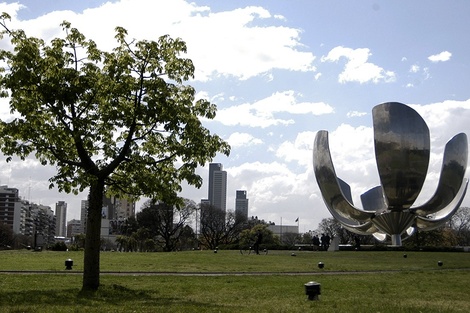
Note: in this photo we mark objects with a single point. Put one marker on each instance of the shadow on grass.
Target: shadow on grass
(107, 297)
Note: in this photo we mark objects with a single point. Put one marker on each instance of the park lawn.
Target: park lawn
(232, 261)
(350, 282)
(428, 291)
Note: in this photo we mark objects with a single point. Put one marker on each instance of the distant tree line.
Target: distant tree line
(162, 227)
(455, 233)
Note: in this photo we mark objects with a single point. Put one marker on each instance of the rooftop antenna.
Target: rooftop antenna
(29, 190)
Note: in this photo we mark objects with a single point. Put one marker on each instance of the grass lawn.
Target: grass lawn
(350, 282)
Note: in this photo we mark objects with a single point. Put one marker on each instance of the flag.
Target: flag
(297, 220)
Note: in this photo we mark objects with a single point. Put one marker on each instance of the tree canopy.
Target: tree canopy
(165, 222)
(121, 122)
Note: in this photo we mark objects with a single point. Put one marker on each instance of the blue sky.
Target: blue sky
(279, 71)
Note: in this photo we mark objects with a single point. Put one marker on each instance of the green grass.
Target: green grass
(233, 261)
(412, 284)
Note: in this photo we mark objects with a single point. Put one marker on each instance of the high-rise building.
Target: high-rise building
(115, 208)
(114, 212)
(10, 208)
(44, 225)
(29, 219)
(61, 219)
(27, 225)
(217, 193)
(83, 215)
(241, 204)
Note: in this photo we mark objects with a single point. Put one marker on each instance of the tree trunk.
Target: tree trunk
(91, 262)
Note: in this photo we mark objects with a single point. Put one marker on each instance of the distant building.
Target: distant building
(36, 221)
(74, 227)
(241, 204)
(217, 192)
(27, 219)
(279, 230)
(118, 209)
(10, 208)
(83, 214)
(205, 202)
(61, 219)
(114, 213)
(44, 225)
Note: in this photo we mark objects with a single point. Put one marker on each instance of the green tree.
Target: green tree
(141, 236)
(187, 239)
(333, 228)
(6, 236)
(248, 236)
(165, 222)
(122, 241)
(460, 223)
(121, 122)
(218, 227)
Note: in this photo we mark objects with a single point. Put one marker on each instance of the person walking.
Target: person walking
(259, 238)
(323, 241)
(316, 243)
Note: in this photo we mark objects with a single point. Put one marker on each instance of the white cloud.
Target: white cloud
(440, 57)
(355, 114)
(352, 147)
(357, 69)
(227, 43)
(299, 151)
(445, 119)
(414, 68)
(237, 140)
(276, 192)
(262, 113)
(11, 8)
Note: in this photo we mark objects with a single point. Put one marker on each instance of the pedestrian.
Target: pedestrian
(323, 241)
(316, 242)
(259, 238)
(327, 242)
(357, 242)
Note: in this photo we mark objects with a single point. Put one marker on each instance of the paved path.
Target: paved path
(319, 272)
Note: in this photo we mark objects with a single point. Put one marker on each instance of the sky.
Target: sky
(278, 72)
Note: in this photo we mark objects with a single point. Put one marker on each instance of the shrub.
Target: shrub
(59, 246)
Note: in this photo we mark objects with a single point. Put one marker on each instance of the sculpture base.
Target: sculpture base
(396, 240)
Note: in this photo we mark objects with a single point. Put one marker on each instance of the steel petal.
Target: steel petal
(452, 176)
(402, 145)
(329, 185)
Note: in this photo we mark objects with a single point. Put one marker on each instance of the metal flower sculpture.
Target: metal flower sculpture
(402, 149)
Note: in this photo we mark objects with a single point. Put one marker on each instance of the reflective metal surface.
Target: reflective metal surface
(424, 223)
(374, 200)
(402, 145)
(402, 149)
(330, 187)
(452, 175)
